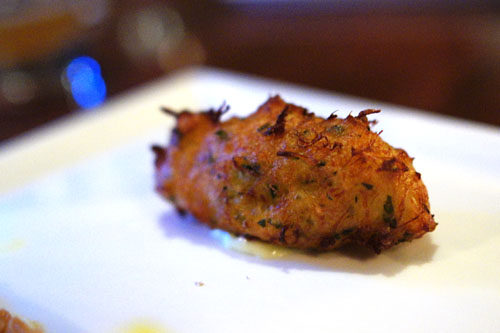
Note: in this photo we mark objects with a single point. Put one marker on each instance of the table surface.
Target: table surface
(86, 244)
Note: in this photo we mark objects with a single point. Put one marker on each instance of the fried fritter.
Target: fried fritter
(12, 324)
(287, 177)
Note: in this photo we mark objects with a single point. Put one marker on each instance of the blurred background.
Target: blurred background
(59, 57)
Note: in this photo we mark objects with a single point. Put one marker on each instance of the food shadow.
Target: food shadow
(349, 259)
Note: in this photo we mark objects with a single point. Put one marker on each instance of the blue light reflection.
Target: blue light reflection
(223, 237)
(86, 82)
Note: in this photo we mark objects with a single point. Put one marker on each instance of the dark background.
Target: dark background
(439, 56)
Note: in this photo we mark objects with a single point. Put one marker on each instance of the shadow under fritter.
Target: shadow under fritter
(349, 259)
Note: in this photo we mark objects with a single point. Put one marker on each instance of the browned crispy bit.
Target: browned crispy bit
(279, 127)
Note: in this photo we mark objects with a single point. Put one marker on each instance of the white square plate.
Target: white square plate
(86, 245)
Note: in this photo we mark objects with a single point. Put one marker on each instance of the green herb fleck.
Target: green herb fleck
(388, 207)
(321, 164)
(356, 199)
(368, 186)
(222, 135)
(254, 167)
(347, 231)
(336, 129)
(263, 127)
(392, 222)
(389, 213)
(243, 164)
(262, 223)
(329, 196)
(407, 235)
(276, 224)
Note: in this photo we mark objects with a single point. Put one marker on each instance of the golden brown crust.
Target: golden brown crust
(288, 177)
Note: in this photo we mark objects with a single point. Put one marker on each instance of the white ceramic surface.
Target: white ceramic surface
(87, 246)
